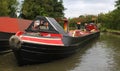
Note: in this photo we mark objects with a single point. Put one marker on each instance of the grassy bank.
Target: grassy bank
(113, 31)
(110, 31)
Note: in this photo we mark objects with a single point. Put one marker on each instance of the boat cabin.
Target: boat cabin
(45, 27)
(45, 24)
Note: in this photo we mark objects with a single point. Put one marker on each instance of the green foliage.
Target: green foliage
(8, 7)
(111, 20)
(83, 19)
(118, 4)
(33, 8)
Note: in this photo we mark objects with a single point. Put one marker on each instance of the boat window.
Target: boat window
(40, 25)
(44, 26)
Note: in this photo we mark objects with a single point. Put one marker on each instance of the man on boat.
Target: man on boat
(87, 27)
(90, 27)
(36, 25)
(78, 25)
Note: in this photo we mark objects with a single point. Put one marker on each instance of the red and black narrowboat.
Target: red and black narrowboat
(8, 27)
(45, 40)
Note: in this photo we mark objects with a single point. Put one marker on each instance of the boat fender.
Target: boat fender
(15, 42)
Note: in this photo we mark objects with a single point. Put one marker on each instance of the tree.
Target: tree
(118, 4)
(111, 19)
(8, 7)
(33, 8)
(116, 19)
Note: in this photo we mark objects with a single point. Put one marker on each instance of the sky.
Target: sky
(75, 8)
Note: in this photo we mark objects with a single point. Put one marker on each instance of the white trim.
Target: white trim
(42, 43)
(42, 38)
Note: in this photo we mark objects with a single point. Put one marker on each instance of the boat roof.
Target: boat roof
(54, 26)
(13, 25)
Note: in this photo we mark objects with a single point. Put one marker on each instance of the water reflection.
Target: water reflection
(8, 63)
(112, 43)
(100, 55)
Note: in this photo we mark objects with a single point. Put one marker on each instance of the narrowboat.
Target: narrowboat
(4, 42)
(45, 40)
(8, 27)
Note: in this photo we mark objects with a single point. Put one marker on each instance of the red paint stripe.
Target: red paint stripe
(43, 40)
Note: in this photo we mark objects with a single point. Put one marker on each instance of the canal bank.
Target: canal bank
(117, 32)
(114, 31)
(99, 55)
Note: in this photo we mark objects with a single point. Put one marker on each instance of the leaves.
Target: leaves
(8, 7)
(110, 20)
(33, 8)
(118, 4)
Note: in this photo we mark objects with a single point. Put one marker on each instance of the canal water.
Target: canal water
(102, 54)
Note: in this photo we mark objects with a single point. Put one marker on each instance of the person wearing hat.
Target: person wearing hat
(78, 25)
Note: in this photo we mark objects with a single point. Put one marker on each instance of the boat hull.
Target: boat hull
(4, 41)
(30, 53)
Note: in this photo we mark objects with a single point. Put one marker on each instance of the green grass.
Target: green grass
(110, 30)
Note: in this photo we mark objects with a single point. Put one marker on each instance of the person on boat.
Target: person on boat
(44, 25)
(47, 25)
(78, 25)
(91, 27)
(41, 22)
(36, 25)
(87, 27)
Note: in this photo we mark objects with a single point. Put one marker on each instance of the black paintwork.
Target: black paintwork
(4, 41)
